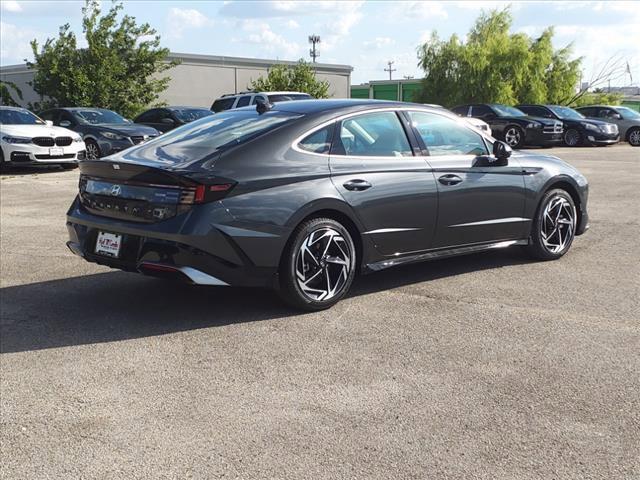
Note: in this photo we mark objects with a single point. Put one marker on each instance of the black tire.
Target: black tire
(320, 250)
(92, 149)
(514, 136)
(633, 137)
(69, 166)
(572, 138)
(557, 228)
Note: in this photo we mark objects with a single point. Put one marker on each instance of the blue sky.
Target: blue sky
(364, 34)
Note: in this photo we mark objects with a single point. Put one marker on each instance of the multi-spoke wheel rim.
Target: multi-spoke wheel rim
(323, 264)
(571, 138)
(92, 151)
(634, 138)
(558, 224)
(512, 136)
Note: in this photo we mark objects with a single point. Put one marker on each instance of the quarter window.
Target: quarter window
(318, 142)
(445, 136)
(373, 135)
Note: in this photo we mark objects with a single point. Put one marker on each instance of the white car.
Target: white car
(242, 99)
(26, 139)
(474, 122)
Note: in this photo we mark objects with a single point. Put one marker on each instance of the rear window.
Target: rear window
(208, 135)
(223, 104)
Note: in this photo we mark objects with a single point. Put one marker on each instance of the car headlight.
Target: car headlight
(534, 125)
(10, 139)
(112, 136)
(77, 139)
(590, 126)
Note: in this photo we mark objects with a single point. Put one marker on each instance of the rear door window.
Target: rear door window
(377, 134)
(243, 101)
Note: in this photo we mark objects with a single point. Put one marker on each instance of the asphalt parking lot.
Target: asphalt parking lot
(486, 366)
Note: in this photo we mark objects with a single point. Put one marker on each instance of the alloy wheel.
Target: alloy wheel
(92, 151)
(572, 138)
(323, 264)
(558, 224)
(634, 138)
(513, 137)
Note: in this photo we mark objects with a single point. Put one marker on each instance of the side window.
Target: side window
(481, 111)
(462, 110)
(373, 135)
(66, 117)
(588, 112)
(256, 97)
(243, 101)
(608, 113)
(319, 141)
(51, 115)
(223, 104)
(146, 117)
(445, 136)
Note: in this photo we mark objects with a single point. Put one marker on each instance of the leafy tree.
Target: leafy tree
(5, 95)
(494, 65)
(119, 69)
(300, 78)
(598, 98)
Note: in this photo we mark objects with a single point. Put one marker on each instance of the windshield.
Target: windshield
(19, 117)
(289, 96)
(628, 113)
(96, 116)
(566, 112)
(506, 111)
(190, 114)
(196, 140)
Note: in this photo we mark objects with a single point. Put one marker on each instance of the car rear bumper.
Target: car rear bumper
(171, 249)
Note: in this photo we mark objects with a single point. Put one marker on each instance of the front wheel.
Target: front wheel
(514, 136)
(92, 149)
(554, 226)
(572, 138)
(634, 137)
(318, 266)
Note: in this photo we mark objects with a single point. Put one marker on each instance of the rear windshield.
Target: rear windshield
(191, 114)
(211, 134)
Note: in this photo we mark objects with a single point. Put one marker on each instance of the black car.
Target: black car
(167, 118)
(578, 130)
(104, 131)
(514, 126)
(301, 196)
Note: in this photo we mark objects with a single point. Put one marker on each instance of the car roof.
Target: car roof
(601, 106)
(347, 104)
(9, 107)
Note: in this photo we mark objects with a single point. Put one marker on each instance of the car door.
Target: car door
(391, 190)
(612, 116)
(477, 201)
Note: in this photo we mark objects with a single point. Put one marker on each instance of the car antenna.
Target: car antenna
(262, 106)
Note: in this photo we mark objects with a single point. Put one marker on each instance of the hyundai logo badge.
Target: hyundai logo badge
(116, 190)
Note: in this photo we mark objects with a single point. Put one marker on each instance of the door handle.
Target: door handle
(356, 185)
(449, 179)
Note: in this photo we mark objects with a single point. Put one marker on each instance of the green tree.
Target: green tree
(494, 65)
(5, 94)
(299, 78)
(119, 69)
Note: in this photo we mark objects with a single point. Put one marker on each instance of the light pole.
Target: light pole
(314, 40)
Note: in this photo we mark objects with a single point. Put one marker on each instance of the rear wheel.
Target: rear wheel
(93, 149)
(634, 137)
(572, 138)
(554, 226)
(318, 266)
(514, 136)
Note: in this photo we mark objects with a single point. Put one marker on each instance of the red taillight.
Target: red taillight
(199, 196)
(203, 192)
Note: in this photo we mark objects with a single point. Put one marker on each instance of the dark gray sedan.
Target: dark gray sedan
(301, 196)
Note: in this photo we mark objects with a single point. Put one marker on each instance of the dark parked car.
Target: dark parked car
(514, 126)
(628, 120)
(578, 130)
(167, 118)
(104, 132)
(303, 195)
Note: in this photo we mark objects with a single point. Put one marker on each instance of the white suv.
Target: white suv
(242, 99)
(26, 139)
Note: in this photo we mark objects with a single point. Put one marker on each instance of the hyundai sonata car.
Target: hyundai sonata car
(302, 196)
(26, 139)
(104, 131)
(578, 130)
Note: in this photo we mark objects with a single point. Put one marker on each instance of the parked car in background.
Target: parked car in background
(104, 131)
(627, 120)
(26, 139)
(474, 122)
(578, 130)
(514, 126)
(167, 118)
(242, 99)
(303, 196)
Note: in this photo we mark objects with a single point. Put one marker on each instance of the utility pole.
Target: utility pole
(313, 40)
(390, 69)
(408, 77)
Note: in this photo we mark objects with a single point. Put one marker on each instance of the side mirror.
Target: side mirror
(65, 123)
(167, 121)
(48, 123)
(502, 152)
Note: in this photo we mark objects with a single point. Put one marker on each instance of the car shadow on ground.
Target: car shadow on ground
(18, 171)
(117, 306)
